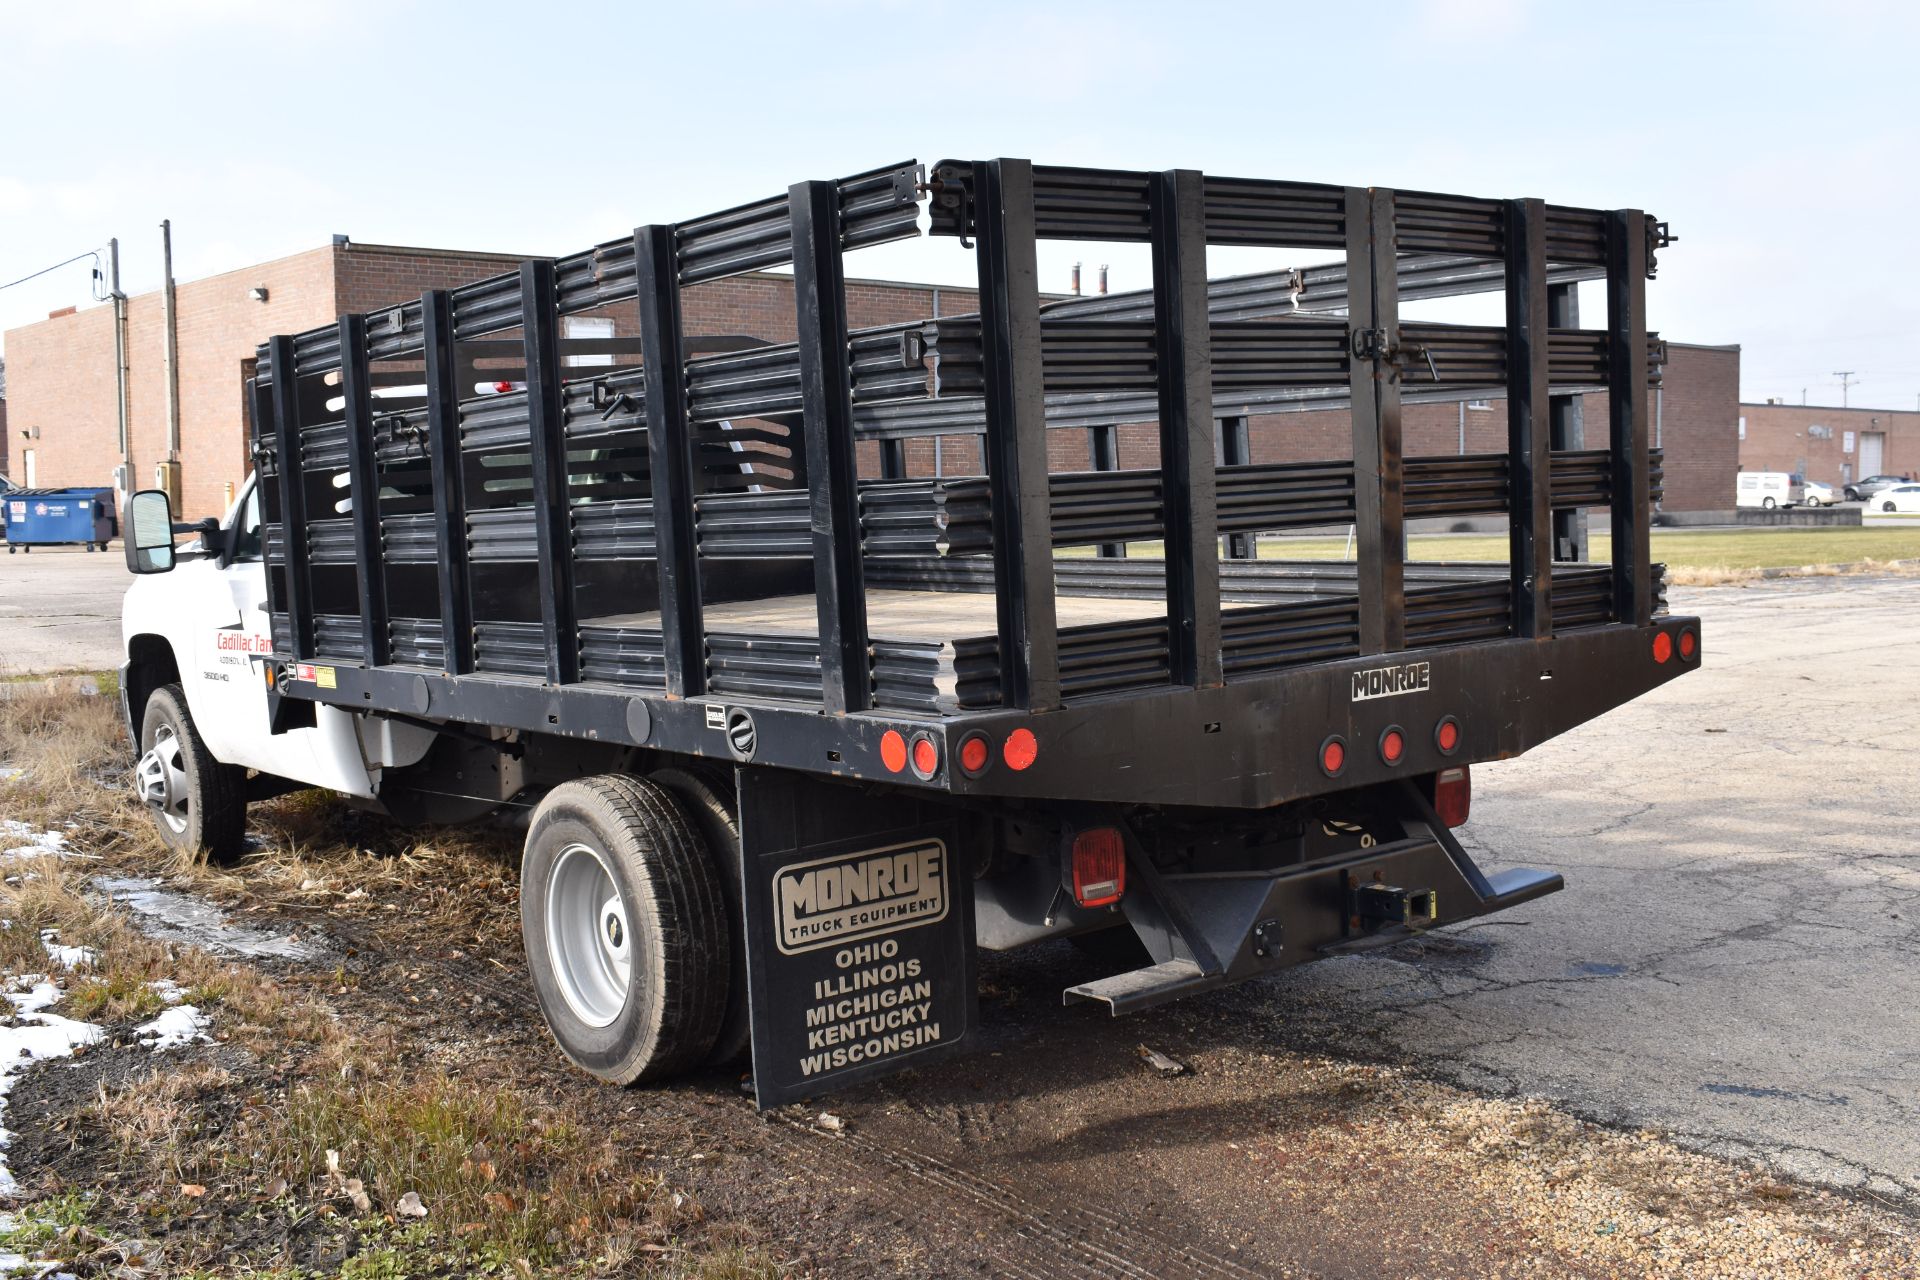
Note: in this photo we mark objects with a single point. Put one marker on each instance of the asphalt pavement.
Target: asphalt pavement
(1736, 957)
(60, 609)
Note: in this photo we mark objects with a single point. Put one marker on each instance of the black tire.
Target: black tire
(1889, 506)
(666, 1017)
(1768, 504)
(707, 792)
(199, 805)
(1118, 948)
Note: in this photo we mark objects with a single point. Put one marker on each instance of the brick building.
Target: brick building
(63, 388)
(62, 368)
(1834, 446)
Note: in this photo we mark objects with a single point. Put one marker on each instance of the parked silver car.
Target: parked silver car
(1860, 490)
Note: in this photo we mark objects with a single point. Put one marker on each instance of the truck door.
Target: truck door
(225, 690)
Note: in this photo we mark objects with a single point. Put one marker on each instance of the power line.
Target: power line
(91, 253)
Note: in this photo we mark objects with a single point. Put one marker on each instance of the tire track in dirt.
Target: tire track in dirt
(1089, 1240)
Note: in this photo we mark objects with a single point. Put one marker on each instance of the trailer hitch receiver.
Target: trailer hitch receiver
(1388, 904)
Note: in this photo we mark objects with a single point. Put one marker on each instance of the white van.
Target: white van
(1770, 489)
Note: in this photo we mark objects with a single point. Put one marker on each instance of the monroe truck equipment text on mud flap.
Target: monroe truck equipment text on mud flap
(798, 725)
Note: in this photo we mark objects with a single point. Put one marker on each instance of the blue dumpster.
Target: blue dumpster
(47, 517)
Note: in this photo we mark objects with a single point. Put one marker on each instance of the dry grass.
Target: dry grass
(1720, 576)
(76, 762)
(158, 1122)
(322, 1102)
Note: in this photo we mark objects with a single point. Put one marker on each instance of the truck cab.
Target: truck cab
(195, 633)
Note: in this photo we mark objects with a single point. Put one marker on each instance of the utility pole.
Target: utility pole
(123, 477)
(170, 470)
(1846, 379)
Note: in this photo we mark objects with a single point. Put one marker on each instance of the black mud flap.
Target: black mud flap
(859, 924)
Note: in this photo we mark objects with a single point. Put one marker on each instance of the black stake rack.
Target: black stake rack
(636, 551)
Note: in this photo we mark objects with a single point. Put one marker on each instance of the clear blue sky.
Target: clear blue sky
(1779, 139)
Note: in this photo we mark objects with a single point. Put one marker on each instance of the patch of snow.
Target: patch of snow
(34, 843)
(168, 990)
(176, 917)
(183, 1024)
(66, 957)
(36, 1036)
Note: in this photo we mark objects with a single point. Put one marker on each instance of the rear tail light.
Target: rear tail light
(925, 757)
(1689, 645)
(1020, 749)
(1446, 735)
(1393, 744)
(893, 751)
(975, 755)
(1453, 795)
(1333, 756)
(1662, 647)
(1099, 867)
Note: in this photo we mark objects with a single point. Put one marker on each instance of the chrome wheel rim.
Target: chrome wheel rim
(161, 777)
(589, 937)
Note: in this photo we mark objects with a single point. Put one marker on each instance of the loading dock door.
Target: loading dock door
(1873, 450)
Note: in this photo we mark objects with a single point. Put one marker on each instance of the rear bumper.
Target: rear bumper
(1211, 930)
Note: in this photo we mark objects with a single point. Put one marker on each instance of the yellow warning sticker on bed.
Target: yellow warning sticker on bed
(323, 677)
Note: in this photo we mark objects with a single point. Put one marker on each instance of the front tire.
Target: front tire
(1888, 506)
(198, 804)
(625, 924)
(1768, 504)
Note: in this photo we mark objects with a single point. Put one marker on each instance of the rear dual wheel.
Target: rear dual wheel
(625, 920)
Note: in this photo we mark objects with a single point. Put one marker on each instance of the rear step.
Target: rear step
(1144, 988)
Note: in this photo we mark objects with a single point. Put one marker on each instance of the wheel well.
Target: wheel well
(150, 664)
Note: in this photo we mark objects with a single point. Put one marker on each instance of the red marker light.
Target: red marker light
(1333, 756)
(503, 387)
(1689, 645)
(893, 751)
(1393, 745)
(1020, 750)
(1662, 647)
(1099, 867)
(926, 757)
(974, 755)
(1446, 736)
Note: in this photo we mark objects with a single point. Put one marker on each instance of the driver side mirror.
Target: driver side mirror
(150, 531)
(149, 538)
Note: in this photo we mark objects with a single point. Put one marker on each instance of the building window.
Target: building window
(1743, 426)
(1480, 404)
(587, 327)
